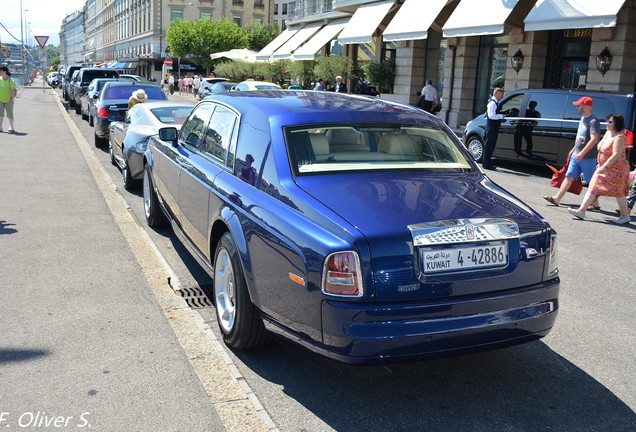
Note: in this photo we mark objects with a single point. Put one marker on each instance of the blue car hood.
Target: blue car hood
(382, 205)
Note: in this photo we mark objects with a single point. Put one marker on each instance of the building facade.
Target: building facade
(467, 47)
(130, 34)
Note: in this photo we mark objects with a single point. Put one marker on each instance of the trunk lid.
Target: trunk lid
(391, 209)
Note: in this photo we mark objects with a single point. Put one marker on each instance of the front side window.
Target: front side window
(193, 131)
(372, 147)
(218, 136)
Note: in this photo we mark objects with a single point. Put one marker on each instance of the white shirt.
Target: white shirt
(491, 109)
(429, 92)
(196, 83)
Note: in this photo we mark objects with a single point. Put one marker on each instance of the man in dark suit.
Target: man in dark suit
(340, 87)
(494, 118)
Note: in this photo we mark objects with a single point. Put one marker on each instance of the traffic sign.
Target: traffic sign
(168, 62)
(42, 40)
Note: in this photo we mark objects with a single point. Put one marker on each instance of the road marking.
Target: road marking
(228, 392)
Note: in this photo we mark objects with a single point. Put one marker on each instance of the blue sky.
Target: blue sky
(45, 18)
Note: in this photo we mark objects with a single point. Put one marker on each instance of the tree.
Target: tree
(329, 67)
(260, 35)
(381, 74)
(277, 70)
(303, 71)
(196, 40)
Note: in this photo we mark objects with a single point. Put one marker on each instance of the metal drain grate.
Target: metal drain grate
(195, 297)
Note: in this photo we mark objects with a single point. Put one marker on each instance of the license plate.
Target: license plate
(463, 258)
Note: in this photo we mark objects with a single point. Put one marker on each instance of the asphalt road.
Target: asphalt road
(581, 377)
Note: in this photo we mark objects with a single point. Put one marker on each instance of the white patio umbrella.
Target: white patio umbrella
(236, 54)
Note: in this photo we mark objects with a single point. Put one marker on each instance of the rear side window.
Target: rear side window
(550, 105)
(602, 107)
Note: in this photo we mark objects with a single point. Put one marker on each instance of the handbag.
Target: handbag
(559, 175)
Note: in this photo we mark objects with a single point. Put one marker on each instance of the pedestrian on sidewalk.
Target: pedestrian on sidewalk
(584, 153)
(7, 96)
(428, 96)
(611, 177)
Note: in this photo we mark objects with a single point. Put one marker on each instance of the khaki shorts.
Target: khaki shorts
(8, 107)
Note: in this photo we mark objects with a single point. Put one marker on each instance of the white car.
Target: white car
(256, 85)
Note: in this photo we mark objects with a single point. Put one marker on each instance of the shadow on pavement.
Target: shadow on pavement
(524, 388)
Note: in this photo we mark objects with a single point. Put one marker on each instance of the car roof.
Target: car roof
(131, 83)
(289, 107)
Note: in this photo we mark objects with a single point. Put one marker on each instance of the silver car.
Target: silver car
(128, 139)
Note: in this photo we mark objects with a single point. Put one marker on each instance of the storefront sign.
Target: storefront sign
(577, 33)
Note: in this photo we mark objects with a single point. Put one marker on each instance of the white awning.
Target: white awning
(323, 37)
(364, 22)
(300, 37)
(410, 22)
(572, 14)
(478, 18)
(266, 52)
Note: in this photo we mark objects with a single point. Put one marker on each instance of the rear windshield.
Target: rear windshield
(89, 76)
(363, 147)
(126, 92)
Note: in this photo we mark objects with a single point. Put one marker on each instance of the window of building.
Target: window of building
(257, 21)
(567, 59)
(237, 20)
(176, 14)
(206, 15)
(491, 69)
(276, 9)
(284, 11)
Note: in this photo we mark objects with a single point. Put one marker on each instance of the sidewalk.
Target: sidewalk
(83, 338)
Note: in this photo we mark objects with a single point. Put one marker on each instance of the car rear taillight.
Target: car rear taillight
(103, 113)
(341, 275)
(552, 266)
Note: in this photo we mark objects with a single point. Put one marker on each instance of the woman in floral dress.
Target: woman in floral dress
(611, 177)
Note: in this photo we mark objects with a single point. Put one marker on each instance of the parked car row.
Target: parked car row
(104, 104)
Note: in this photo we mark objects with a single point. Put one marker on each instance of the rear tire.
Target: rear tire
(154, 215)
(91, 122)
(78, 108)
(238, 318)
(129, 182)
(100, 142)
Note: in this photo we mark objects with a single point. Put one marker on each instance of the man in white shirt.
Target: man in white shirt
(196, 85)
(494, 118)
(429, 94)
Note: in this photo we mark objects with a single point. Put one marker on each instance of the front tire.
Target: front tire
(129, 182)
(475, 146)
(154, 216)
(238, 318)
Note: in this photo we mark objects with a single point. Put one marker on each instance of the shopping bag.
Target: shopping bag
(559, 176)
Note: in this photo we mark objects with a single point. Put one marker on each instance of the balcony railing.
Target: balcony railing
(303, 8)
(259, 5)
(237, 2)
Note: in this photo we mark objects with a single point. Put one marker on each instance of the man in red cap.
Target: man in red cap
(583, 154)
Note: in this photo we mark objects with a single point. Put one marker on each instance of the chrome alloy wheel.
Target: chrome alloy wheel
(476, 148)
(224, 291)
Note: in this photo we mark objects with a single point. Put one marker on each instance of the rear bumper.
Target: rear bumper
(394, 332)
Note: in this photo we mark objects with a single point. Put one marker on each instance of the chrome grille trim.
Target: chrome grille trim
(455, 231)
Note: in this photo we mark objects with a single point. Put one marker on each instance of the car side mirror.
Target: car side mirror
(169, 134)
